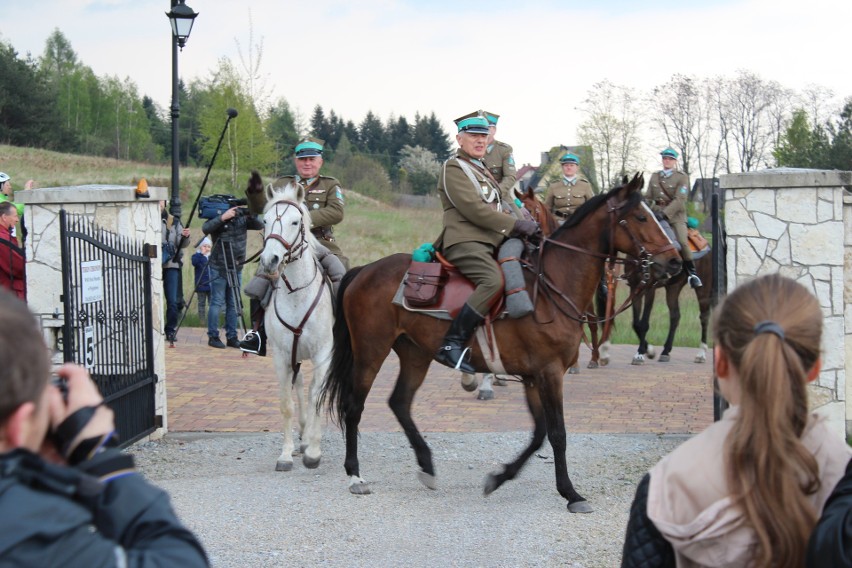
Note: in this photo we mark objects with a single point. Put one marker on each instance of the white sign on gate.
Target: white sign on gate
(92, 281)
(89, 346)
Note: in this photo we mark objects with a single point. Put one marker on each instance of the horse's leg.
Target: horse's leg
(413, 365)
(550, 393)
(495, 479)
(312, 433)
(299, 395)
(468, 382)
(486, 392)
(368, 359)
(704, 315)
(605, 346)
(641, 315)
(285, 394)
(673, 302)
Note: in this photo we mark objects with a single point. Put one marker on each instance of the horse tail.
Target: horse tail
(338, 381)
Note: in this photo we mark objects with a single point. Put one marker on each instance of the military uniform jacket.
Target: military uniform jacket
(324, 199)
(669, 195)
(564, 198)
(500, 162)
(471, 203)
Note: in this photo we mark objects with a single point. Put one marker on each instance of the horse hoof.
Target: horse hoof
(485, 395)
(592, 365)
(638, 360)
(665, 358)
(283, 466)
(491, 484)
(428, 481)
(311, 463)
(573, 370)
(360, 488)
(468, 382)
(499, 381)
(701, 358)
(604, 361)
(651, 352)
(580, 507)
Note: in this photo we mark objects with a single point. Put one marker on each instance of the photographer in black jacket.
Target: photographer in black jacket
(228, 231)
(67, 497)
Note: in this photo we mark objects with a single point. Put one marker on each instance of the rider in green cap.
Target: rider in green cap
(324, 200)
(474, 226)
(668, 191)
(565, 195)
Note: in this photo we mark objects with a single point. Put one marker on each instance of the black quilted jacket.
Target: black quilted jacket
(644, 546)
(831, 541)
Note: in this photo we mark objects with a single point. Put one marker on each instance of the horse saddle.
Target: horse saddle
(438, 289)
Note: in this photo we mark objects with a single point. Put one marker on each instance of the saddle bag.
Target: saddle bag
(423, 283)
(697, 242)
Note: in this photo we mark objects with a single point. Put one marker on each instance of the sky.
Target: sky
(530, 61)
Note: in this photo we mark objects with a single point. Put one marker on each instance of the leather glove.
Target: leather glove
(524, 228)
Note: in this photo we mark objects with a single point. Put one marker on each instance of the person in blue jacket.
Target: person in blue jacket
(68, 496)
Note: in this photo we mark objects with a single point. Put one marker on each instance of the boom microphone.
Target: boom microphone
(232, 112)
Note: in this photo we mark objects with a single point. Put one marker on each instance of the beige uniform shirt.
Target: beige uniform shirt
(669, 194)
(564, 198)
(500, 162)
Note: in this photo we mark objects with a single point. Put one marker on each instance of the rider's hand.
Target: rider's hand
(524, 228)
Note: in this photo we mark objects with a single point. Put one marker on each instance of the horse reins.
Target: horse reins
(643, 261)
(294, 253)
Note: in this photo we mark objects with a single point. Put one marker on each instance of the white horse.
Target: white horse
(299, 316)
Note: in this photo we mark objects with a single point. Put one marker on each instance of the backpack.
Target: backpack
(168, 251)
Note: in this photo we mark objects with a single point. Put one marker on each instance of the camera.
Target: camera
(62, 384)
(211, 206)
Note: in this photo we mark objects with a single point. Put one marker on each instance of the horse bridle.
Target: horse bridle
(298, 246)
(643, 260)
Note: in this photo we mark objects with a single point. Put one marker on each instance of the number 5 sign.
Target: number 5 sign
(89, 346)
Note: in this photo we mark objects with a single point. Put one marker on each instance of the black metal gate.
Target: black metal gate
(720, 276)
(106, 291)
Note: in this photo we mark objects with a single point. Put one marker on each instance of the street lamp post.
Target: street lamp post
(181, 17)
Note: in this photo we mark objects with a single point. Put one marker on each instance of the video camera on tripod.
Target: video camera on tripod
(211, 206)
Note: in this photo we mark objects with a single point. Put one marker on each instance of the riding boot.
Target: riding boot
(255, 340)
(453, 352)
(693, 278)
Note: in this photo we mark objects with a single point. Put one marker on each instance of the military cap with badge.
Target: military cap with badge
(569, 158)
(309, 147)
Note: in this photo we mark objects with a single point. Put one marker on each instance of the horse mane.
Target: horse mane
(592, 204)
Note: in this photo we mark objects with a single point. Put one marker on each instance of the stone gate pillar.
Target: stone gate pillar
(112, 208)
(799, 223)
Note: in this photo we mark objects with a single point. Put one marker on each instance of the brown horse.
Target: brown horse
(537, 347)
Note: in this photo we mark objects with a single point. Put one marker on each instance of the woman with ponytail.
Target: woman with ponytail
(749, 489)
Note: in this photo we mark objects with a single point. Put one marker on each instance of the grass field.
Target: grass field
(371, 230)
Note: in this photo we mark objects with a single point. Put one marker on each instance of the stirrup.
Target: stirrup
(694, 281)
(251, 343)
(444, 358)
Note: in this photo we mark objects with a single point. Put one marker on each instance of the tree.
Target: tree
(421, 167)
(677, 114)
(611, 128)
(281, 128)
(371, 135)
(795, 148)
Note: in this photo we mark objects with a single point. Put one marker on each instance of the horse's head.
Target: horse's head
(539, 212)
(637, 232)
(286, 227)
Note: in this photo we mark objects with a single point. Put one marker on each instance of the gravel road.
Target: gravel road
(225, 488)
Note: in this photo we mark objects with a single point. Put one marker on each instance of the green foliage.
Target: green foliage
(796, 147)
(362, 174)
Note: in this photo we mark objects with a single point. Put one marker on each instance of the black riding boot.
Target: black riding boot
(453, 352)
(693, 278)
(255, 340)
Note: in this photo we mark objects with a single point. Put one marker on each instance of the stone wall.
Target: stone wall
(112, 208)
(799, 223)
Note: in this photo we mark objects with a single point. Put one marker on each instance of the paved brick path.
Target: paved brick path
(218, 390)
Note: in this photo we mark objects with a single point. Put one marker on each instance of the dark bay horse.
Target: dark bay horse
(537, 347)
(644, 304)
